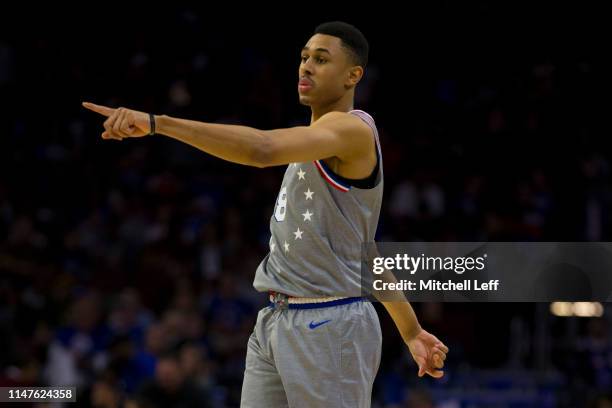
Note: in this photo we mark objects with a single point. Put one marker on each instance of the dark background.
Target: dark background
(120, 257)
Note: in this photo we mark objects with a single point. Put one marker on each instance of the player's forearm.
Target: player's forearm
(238, 144)
(395, 302)
(398, 308)
(404, 318)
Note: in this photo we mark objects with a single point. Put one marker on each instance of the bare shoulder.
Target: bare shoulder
(352, 133)
(344, 123)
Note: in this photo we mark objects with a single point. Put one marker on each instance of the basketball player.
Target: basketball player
(318, 344)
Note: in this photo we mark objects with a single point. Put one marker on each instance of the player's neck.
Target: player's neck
(344, 104)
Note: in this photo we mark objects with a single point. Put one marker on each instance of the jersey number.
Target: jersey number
(281, 205)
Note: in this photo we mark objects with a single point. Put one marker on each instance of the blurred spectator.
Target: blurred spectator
(171, 387)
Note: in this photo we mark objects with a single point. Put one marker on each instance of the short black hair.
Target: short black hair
(352, 39)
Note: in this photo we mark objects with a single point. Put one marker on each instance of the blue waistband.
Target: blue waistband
(331, 303)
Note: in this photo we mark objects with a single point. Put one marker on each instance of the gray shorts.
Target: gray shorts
(322, 357)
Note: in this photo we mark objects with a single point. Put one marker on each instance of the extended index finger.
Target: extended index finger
(102, 110)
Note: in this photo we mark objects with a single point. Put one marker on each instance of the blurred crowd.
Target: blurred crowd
(126, 267)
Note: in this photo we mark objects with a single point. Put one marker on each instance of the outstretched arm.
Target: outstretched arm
(336, 134)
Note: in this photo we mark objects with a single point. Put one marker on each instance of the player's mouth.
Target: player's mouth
(305, 85)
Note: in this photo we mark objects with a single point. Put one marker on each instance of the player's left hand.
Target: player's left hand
(429, 353)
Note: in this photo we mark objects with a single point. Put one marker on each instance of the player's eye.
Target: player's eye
(304, 58)
(321, 60)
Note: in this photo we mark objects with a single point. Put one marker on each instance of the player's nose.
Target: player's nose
(305, 72)
(306, 69)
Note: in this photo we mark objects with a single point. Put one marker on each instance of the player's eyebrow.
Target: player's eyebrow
(320, 49)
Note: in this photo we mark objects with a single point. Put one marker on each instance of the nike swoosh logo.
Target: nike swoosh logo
(314, 325)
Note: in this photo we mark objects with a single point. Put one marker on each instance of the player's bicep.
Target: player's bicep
(299, 144)
(333, 136)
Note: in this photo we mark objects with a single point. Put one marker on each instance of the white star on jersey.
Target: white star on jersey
(307, 215)
(301, 174)
(286, 245)
(272, 246)
(308, 194)
(298, 233)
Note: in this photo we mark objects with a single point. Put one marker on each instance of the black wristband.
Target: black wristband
(151, 124)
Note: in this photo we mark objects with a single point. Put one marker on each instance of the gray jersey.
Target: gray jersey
(318, 226)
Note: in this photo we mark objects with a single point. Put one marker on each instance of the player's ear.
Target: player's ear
(354, 75)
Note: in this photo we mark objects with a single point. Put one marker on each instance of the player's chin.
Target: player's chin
(305, 100)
